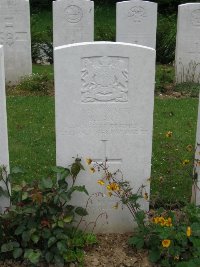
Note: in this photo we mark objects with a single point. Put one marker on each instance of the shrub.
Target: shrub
(42, 83)
(172, 237)
(166, 39)
(39, 226)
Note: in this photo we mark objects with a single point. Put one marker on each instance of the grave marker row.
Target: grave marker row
(73, 22)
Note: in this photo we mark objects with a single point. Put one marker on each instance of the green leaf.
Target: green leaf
(59, 260)
(80, 189)
(52, 240)
(61, 224)
(17, 188)
(65, 174)
(26, 236)
(46, 183)
(68, 219)
(49, 256)
(58, 169)
(137, 242)
(32, 256)
(7, 247)
(154, 255)
(35, 238)
(81, 211)
(61, 247)
(70, 256)
(17, 252)
(24, 195)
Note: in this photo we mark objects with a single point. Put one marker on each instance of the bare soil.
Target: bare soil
(113, 250)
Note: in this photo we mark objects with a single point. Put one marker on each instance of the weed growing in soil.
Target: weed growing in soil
(39, 225)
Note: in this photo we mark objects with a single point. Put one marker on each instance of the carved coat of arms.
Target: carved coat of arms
(104, 79)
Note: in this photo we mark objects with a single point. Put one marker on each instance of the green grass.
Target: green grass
(170, 178)
(31, 134)
(43, 68)
(32, 141)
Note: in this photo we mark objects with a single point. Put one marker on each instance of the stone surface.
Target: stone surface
(4, 156)
(104, 109)
(188, 43)
(196, 189)
(15, 36)
(137, 22)
(73, 21)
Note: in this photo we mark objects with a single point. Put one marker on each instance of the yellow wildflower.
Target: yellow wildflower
(168, 222)
(113, 187)
(88, 161)
(161, 221)
(185, 162)
(168, 134)
(156, 220)
(92, 170)
(166, 243)
(101, 182)
(189, 231)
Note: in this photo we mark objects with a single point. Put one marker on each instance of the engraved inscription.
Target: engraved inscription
(195, 17)
(137, 13)
(9, 34)
(73, 14)
(104, 79)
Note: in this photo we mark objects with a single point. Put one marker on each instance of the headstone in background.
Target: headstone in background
(188, 43)
(4, 155)
(104, 109)
(196, 186)
(15, 36)
(137, 22)
(73, 21)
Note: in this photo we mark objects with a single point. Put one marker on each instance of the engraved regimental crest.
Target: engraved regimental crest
(137, 13)
(104, 79)
(73, 14)
(195, 17)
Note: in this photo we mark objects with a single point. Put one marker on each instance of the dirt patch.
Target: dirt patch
(112, 250)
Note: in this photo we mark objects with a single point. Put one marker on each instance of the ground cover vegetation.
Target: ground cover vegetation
(41, 224)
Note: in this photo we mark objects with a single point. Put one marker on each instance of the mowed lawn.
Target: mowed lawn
(31, 124)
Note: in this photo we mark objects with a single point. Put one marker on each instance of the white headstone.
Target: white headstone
(4, 156)
(196, 187)
(104, 109)
(73, 21)
(15, 36)
(137, 22)
(188, 43)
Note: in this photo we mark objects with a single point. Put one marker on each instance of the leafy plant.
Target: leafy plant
(120, 189)
(39, 226)
(42, 83)
(172, 237)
